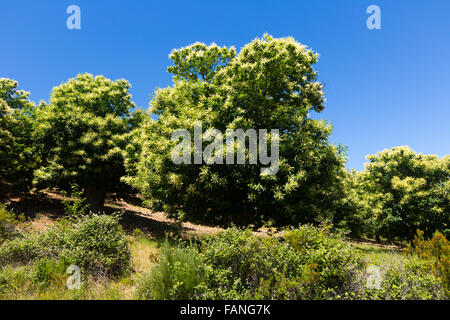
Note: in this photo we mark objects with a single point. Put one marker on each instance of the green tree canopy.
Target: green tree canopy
(270, 84)
(19, 155)
(403, 191)
(83, 131)
(199, 62)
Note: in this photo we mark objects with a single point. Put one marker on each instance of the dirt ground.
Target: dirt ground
(42, 208)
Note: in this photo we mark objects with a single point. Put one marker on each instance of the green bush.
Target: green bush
(178, 275)
(14, 281)
(77, 206)
(238, 261)
(8, 221)
(436, 250)
(309, 263)
(332, 266)
(412, 279)
(237, 264)
(21, 250)
(97, 244)
(45, 270)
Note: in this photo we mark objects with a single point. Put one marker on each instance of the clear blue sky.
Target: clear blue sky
(384, 88)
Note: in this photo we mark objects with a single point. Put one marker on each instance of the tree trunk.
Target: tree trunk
(95, 197)
(243, 219)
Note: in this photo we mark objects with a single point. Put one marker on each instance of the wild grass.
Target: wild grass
(18, 282)
(145, 254)
(379, 256)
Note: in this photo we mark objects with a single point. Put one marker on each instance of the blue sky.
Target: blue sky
(384, 88)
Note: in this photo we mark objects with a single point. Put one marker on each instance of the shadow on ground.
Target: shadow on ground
(35, 205)
(32, 205)
(132, 220)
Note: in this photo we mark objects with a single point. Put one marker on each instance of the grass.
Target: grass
(379, 256)
(144, 254)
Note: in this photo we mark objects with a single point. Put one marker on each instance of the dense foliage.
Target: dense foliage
(411, 279)
(302, 263)
(310, 264)
(177, 276)
(306, 263)
(270, 84)
(96, 244)
(19, 155)
(437, 251)
(82, 132)
(85, 135)
(86, 141)
(401, 191)
(8, 222)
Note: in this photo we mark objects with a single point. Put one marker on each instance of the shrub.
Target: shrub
(332, 267)
(411, 279)
(238, 261)
(77, 206)
(45, 270)
(436, 250)
(306, 263)
(20, 250)
(310, 264)
(178, 275)
(14, 282)
(97, 244)
(8, 221)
